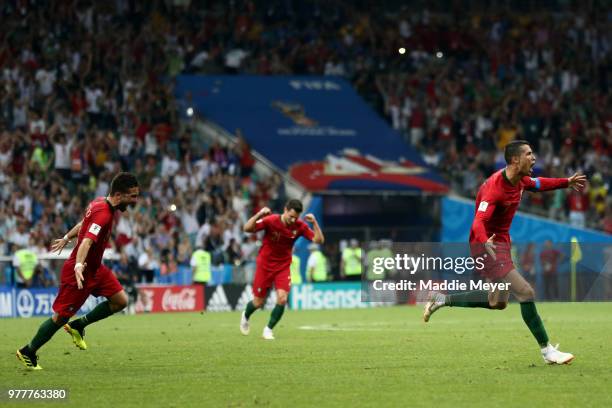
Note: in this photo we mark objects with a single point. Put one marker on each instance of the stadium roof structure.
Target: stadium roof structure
(316, 128)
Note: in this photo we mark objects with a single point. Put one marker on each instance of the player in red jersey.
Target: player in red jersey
(83, 274)
(274, 258)
(496, 203)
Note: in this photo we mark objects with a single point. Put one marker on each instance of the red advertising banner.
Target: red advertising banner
(170, 298)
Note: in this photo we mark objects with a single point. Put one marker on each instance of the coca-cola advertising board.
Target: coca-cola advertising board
(170, 298)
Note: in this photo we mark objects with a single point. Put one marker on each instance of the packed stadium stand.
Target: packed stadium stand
(88, 89)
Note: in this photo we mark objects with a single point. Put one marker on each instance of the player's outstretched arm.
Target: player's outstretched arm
(249, 226)
(59, 244)
(577, 182)
(318, 238)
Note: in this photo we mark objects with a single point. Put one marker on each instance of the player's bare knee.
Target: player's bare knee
(60, 320)
(499, 305)
(281, 300)
(530, 294)
(258, 302)
(119, 302)
(527, 294)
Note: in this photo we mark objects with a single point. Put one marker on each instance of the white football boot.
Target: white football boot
(552, 355)
(267, 333)
(436, 301)
(245, 327)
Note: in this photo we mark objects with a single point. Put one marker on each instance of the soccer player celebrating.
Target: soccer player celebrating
(83, 272)
(496, 203)
(274, 258)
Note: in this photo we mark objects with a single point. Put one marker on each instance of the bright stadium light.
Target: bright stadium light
(190, 111)
(402, 50)
(439, 54)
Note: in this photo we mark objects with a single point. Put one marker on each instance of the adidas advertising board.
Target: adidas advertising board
(233, 296)
(217, 301)
(245, 297)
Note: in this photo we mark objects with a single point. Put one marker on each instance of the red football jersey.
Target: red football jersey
(497, 201)
(275, 253)
(97, 225)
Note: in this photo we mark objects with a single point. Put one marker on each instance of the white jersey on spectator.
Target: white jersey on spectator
(62, 155)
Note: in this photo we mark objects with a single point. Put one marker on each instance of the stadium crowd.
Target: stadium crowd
(465, 90)
(86, 90)
(76, 109)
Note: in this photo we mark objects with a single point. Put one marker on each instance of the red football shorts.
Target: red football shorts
(70, 299)
(263, 281)
(497, 269)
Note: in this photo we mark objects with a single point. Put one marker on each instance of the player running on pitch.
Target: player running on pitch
(274, 258)
(497, 200)
(83, 272)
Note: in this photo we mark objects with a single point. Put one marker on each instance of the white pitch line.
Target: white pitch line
(326, 327)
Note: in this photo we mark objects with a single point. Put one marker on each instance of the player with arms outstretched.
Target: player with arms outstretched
(83, 272)
(274, 258)
(496, 203)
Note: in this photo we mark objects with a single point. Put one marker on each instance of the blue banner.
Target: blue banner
(317, 128)
(34, 302)
(6, 302)
(458, 214)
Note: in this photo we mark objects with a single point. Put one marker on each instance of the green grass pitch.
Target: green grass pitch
(343, 358)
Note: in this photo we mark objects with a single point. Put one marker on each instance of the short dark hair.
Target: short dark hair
(122, 183)
(513, 149)
(294, 204)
